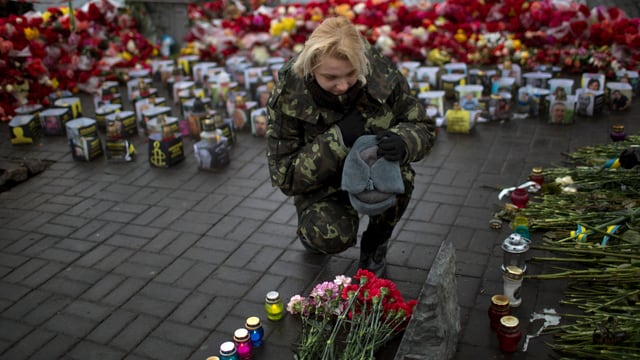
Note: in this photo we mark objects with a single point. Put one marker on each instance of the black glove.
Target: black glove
(391, 146)
(630, 157)
(351, 126)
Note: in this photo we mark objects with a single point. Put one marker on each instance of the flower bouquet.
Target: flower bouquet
(349, 318)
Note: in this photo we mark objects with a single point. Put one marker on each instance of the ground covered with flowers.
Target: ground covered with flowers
(76, 49)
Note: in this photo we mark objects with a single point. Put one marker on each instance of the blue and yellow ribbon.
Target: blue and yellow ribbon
(581, 233)
(610, 230)
(612, 163)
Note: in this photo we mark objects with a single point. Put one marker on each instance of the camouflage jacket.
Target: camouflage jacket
(305, 151)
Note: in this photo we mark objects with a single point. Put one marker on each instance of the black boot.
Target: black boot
(373, 250)
(374, 261)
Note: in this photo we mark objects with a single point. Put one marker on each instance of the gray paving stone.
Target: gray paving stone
(136, 270)
(189, 309)
(166, 292)
(124, 291)
(64, 199)
(11, 291)
(64, 286)
(155, 307)
(111, 326)
(95, 231)
(56, 348)
(12, 330)
(22, 267)
(156, 348)
(33, 341)
(97, 254)
(162, 240)
(186, 225)
(38, 313)
(181, 334)
(214, 312)
(59, 255)
(117, 216)
(127, 241)
(175, 270)
(181, 244)
(209, 256)
(89, 310)
(135, 332)
(167, 217)
(104, 286)
(75, 245)
(195, 276)
(89, 350)
(53, 208)
(75, 326)
(149, 214)
(214, 287)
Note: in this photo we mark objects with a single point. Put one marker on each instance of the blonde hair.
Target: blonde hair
(335, 37)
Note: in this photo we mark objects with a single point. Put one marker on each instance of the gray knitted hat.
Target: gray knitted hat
(372, 182)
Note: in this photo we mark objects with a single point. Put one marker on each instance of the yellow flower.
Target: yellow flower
(31, 33)
(289, 24)
(517, 44)
(45, 16)
(55, 83)
(460, 36)
(125, 55)
(345, 10)
(276, 28)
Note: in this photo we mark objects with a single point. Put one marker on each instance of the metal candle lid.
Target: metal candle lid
(509, 321)
(252, 323)
(272, 297)
(515, 244)
(241, 334)
(500, 300)
(514, 272)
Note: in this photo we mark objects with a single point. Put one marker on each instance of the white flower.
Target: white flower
(567, 180)
(342, 280)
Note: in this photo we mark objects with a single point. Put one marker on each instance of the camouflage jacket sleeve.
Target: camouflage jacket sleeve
(407, 114)
(304, 150)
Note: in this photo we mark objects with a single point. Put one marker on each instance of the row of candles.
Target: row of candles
(250, 337)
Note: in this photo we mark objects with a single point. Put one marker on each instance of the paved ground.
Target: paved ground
(102, 260)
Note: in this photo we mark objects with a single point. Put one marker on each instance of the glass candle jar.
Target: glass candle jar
(519, 197)
(274, 306)
(228, 351)
(243, 343)
(256, 332)
(536, 175)
(512, 280)
(617, 133)
(509, 334)
(499, 307)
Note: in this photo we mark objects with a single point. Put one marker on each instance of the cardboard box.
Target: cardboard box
(86, 148)
(25, 129)
(72, 103)
(83, 139)
(119, 150)
(81, 127)
(211, 155)
(126, 123)
(104, 111)
(53, 121)
(165, 152)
